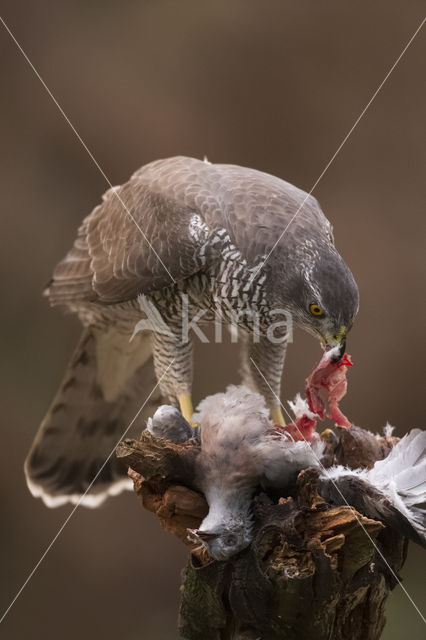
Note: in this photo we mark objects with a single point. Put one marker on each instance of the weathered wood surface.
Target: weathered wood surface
(312, 570)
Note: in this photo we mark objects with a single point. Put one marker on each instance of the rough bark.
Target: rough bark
(312, 570)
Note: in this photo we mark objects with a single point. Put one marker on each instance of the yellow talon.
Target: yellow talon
(277, 415)
(185, 404)
(329, 436)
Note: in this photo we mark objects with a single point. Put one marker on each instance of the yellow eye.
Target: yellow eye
(316, 310)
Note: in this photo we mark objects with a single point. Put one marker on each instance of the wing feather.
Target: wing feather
(128, 244)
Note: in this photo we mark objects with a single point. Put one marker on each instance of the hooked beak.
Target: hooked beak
(331, 344)
(342, 349)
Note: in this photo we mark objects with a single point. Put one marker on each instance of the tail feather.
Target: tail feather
(104, 387)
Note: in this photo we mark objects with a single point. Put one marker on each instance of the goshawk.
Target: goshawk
(184, 237)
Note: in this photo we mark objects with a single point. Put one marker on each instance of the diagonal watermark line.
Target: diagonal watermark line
(339, 148)
(261, 265)
(345, 501)
(48, 548)
(92, 157)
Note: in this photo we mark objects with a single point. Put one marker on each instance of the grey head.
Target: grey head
(168, 423)
(320, 292)
(226, 538)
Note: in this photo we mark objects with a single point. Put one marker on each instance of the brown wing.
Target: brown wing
(149, 232)
(128, 244)
(262, 210)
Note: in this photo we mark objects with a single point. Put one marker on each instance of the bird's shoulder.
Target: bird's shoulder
(150, 231)
(257, 209)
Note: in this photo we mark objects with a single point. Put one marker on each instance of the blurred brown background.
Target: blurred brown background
(274, 85)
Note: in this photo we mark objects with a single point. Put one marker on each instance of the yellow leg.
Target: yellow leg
(185, 404)
(277, 415)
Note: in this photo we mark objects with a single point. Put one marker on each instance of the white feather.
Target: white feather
(91, 501)
(401, 477)
(300, 407)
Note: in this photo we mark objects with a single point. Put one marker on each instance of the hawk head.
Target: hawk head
(323, 295)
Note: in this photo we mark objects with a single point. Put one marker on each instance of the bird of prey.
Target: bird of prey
(180, 234)
(240, 451)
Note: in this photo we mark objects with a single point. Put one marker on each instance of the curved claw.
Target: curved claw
(330, 437)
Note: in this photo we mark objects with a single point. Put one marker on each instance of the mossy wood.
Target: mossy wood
(312, 571)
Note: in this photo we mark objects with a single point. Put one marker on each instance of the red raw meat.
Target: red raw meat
(330, 376)
(304, 423)
(302, 428)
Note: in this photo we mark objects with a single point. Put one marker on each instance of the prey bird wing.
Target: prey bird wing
(393, 491)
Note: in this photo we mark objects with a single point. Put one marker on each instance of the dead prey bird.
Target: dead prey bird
(241, 449)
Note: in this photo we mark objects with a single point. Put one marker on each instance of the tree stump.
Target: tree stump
(311, 572)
